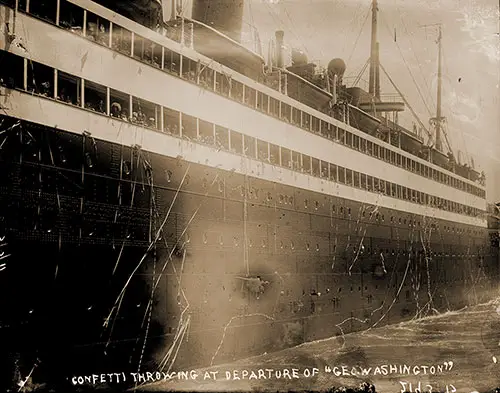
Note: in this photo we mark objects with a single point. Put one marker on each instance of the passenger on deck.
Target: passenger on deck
(91, 31)
(116, 109)
(45, 89)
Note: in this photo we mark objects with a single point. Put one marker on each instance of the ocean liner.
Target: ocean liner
(169, 199)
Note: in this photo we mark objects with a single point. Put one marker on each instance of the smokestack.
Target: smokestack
(271, 54)
(224, 16)
(279, 48)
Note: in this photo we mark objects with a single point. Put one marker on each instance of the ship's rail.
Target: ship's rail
(185, 63)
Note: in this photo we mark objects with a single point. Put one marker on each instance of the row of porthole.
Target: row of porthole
(308, 247)
(253, 192)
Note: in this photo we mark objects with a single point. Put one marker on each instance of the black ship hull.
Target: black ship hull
(119, 259)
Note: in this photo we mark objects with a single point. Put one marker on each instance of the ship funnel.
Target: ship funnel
(279, 48)
(224, 16)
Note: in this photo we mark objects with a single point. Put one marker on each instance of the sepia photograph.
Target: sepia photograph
(250, 196)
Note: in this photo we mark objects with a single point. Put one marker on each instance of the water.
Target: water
(463, 348)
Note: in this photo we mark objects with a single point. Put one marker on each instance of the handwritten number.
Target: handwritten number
(430, 388)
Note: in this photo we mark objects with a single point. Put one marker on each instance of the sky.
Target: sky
(326, 29)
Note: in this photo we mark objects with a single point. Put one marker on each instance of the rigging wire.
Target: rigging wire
(294, 30)
(357, 39)
(354, 17)
(358, 77)
(408, 68)
(281, 23)
(407, 103)
(416, 58)
(466, 153)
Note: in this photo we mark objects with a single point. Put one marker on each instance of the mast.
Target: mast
(439, 86)
(374, 82)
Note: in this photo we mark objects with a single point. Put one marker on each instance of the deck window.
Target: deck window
(95, 97)
(325, 129)
(286, 157)
(121, 40)
(369, 183)
(296, 116)
(262, 102)
(315, 124)
(250, 96)
(383, 189)
(145, 113)
(315, 167)
(363, 181)
(71, 17)
(341, 174)
(171, 121)
(97, 29)
(237, 91)
(206, 132)
(435, 175)
(355, 142)
(189, 68)
(250, 146)
(236, 142)
(11, 70)
(274, 154)
(306, 121)
(223, 84)
(421, 197)
(263, 153)
(274, 107)
(356, 179)
(44, 9)
(405, 194)
(171, 61)
(120, 103)
(206, 77)
(324, 169)
(399, 192)
(156, 53)
(68, 88)
(40, 79)
(189, 127)
(369, 148)
(221, 137)
(363, 145)
(138, 47)
(393, 190)
(333, 172)
(306, 164)
(296, 160)
(147, 53)
(286, 112)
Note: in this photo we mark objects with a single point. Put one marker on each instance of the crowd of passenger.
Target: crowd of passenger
(138, 117)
